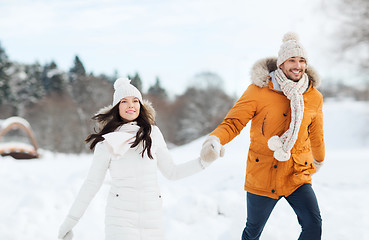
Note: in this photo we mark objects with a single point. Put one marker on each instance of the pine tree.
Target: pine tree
(25, 87)
(5, 64)
(78, 68)
(34, 73)
(53, 78)
(136, 81)
(115, 76)
(157, 90)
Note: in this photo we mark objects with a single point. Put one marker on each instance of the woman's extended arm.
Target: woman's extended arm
(173, 171)
(166, 164)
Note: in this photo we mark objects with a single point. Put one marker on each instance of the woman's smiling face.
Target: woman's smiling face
(129, 108)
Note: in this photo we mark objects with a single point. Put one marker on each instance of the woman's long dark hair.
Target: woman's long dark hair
(114, 120)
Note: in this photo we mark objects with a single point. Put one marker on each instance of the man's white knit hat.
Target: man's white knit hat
(291, 47)
(123, 88)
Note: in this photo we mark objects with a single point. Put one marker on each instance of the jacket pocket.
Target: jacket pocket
(274, 125)
(263, 127)
(302, 167)
(258, 169)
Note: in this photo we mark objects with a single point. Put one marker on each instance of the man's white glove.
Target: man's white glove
(211, 149)
(317, 165)
(65, 230)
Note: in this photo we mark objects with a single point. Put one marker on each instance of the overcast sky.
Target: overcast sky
(170, 39)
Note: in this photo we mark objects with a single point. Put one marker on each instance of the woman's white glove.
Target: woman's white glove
(317, 165)
(65, 230)
(68, 236)
(211, 149)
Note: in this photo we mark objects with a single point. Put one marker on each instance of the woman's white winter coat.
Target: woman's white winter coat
(134, 204)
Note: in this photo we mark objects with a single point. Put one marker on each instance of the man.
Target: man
(287, 143)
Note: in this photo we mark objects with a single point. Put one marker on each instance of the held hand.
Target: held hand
(65, 230)
(211, 149)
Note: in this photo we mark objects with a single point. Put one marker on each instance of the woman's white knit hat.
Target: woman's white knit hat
(123, 88)
(291, 47)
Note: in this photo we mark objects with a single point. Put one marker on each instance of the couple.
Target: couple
(287, 146)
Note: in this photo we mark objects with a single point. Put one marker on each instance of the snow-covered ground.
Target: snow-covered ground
(36, 194)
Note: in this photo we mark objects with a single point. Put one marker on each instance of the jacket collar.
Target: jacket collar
(262, 68)
(271, 86)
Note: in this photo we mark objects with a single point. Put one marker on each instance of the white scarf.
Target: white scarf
(293, 91)
(121, 139)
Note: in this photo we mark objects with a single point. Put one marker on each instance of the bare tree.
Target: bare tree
(200, 109)
(354, 30)
(56, 124)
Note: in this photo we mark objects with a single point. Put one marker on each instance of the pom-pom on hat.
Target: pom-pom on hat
(123, 88)
(291, 47)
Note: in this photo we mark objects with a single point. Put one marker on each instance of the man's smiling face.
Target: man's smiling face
(294, 68)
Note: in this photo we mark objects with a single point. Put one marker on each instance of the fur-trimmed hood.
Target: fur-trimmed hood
(261, 69)
(147, 104)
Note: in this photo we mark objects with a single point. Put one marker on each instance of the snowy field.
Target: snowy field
(36, 195)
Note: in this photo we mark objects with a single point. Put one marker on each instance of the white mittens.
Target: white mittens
(317, 165)
(211, 149)
(65, 230)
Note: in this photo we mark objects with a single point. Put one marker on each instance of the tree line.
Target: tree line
(59, 104)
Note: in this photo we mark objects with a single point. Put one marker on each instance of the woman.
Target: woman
(131, 147)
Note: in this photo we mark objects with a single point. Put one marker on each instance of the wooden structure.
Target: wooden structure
(17, 149)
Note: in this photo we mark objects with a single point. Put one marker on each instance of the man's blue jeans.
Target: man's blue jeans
(304, 203)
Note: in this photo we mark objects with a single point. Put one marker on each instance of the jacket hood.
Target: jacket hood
(261, 69)
(147, 105)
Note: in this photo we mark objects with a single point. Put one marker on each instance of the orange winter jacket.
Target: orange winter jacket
(269, 112)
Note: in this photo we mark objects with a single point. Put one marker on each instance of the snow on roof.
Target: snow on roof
(6, 122)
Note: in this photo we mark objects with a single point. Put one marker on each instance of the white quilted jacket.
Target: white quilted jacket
(134, 204)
